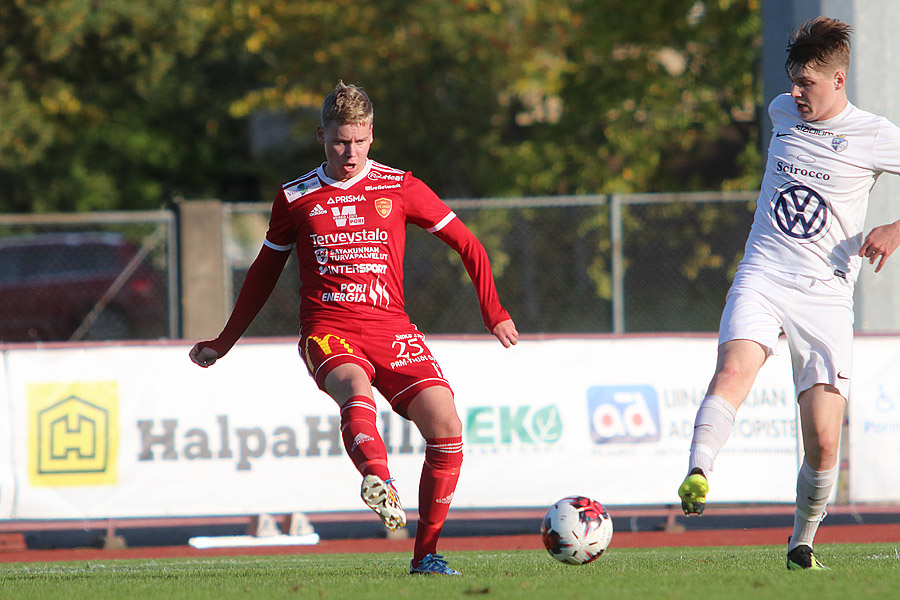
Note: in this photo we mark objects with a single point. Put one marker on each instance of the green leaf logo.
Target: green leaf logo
(546, 425)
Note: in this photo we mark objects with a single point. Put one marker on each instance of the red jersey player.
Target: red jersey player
(347, 220)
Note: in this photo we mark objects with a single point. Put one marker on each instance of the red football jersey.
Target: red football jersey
(350, 238)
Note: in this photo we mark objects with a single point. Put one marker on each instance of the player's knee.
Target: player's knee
(731, 381)
(828, 454)
(434, 413)
(454, 426)
(439, 424)
(823, 455)
(447, 425)
(346, 381)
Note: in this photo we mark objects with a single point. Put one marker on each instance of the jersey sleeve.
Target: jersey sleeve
(886, 149)
(261, 277)
(455, 234)
(423, 207)
(256, 289)
(281, 234)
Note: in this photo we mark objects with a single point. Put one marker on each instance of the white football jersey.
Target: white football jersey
(812, 203)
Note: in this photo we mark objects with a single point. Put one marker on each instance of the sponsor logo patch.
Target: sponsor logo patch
(376, 175)
(801, 213)
(298, 190)
(346, 215)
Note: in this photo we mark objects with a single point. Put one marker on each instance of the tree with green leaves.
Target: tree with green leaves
(122, 105)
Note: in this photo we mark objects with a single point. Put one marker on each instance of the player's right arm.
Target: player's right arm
(256, 289)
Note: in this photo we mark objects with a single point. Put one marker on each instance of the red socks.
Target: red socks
(440, 472)
(361, 437)
(443, 459)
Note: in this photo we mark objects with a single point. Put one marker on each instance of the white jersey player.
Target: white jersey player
(812, 204)
(801, 261)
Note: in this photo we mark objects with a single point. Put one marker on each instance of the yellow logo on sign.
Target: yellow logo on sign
(73, 433)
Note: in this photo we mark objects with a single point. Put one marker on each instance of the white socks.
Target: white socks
(813, 492)
(712, 427)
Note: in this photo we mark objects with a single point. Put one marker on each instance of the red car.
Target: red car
(56, 286)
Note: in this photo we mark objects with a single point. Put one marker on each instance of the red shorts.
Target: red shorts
(398, 362)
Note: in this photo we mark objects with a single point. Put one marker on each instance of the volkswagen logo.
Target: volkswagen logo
(801, 213)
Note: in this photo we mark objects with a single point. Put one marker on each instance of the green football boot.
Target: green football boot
(802, 557)
(693, 492)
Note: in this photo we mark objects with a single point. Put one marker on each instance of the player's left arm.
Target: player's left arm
(475, 258)
(425, 209)
(880, 244)
(506, 332)
(884, 239)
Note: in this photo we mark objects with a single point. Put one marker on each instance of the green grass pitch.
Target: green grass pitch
(735, 573)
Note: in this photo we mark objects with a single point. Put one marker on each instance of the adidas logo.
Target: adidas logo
(318, 210)
(446, 500)
(361, 438)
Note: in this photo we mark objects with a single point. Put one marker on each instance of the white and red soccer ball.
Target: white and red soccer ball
(576, 530)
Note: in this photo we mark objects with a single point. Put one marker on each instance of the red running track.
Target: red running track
(836, 534)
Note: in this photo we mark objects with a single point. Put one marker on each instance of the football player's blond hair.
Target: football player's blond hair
(820, 43)
(347, 105)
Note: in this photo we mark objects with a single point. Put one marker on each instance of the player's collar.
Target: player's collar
(344, 184)
(829, 122)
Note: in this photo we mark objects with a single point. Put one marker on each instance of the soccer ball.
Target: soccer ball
(576, 530)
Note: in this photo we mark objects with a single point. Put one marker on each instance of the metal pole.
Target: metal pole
(618, 264)
(173, 277)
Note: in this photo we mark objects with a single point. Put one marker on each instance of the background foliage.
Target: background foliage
(124, 105)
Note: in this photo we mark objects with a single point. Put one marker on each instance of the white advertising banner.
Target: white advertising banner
(874, 415)
(7, 478)
(140, 431)
(611, 419)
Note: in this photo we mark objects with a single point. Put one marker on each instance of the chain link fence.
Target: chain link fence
(563, 265)
(97, 276)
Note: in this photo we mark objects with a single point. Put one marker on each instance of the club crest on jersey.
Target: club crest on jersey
(839, 143)
(298, 190)
(383, 206)
(346, 215)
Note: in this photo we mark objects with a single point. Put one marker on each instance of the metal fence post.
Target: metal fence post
(173, 275)
(618, 266)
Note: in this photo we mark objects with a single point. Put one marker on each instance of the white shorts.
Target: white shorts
(815, 315)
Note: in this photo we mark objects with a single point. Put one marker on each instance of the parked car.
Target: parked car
(50, 283)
